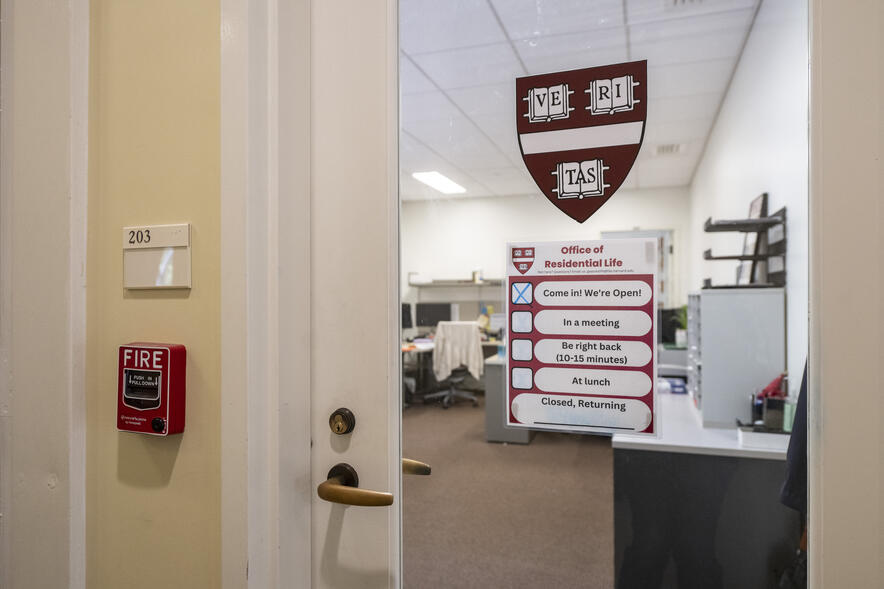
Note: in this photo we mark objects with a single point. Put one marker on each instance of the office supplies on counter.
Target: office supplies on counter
(759, 436)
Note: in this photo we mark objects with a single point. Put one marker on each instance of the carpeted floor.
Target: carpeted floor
(505, 515)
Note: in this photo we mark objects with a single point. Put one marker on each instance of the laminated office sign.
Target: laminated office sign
(581, 334)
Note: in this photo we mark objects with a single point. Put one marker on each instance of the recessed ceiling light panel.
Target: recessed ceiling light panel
(439, 182)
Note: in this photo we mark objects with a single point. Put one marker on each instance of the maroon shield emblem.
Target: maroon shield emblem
(523, 258)
(580, 132)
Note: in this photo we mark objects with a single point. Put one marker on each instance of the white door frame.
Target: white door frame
(79, 224)
(845, 405)
(63, 43)
(262, 340)
(268, 481)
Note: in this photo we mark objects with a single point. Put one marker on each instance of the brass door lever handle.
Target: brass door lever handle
(410, 466)
(342, 486)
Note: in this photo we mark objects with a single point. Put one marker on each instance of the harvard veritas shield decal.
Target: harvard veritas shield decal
(580, 132)
(523, 258)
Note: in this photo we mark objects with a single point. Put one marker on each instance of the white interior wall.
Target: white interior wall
(760, 144)
(450, 238)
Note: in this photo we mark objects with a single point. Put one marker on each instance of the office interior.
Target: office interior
(726, 124)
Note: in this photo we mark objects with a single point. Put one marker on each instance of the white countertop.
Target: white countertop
(681, 431)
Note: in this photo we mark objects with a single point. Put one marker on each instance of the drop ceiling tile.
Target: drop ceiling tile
(460, 142)
(677, 132)
(414, 156)
(631, 180)
(668, 170)
(722, 45)
(430, 25)
(691, 26)
(501, 129)
(704, 77)
(490, 100)
(474, 66)
(411, 79)
(573, 51)
(428, 106)
(506, 181)
(492, 109)
(652, 10)
(536, 18)
(671, 110)
(646, 151)
(690, 152)
(699, 38)
(664, 172)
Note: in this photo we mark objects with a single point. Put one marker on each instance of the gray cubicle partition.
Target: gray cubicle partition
(495, 393)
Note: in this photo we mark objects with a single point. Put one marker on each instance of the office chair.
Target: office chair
(457, 352)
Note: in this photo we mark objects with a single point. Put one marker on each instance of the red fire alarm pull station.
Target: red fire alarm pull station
(150, 390)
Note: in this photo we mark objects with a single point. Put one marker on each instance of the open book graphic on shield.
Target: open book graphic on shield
(580, 132)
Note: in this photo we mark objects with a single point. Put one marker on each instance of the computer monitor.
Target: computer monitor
(406, 316)
(429, 314)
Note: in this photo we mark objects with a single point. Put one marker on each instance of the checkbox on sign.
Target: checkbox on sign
(521, 293)
(522, 378)
(522, 350)
(521, 322)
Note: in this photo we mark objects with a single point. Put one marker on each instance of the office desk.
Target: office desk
(489, 349)
(423, 352)
(696, 495)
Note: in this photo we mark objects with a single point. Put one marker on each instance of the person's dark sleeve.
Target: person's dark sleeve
(794, 491)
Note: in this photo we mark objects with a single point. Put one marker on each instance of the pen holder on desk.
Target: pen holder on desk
(773, 413)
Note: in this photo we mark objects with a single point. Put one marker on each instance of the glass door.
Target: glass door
(697, 504)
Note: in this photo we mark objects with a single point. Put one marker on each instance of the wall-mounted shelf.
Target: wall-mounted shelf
(763, 260)
(741, 225)
(707, 255)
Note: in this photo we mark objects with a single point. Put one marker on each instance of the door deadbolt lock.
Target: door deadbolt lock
(342, 421)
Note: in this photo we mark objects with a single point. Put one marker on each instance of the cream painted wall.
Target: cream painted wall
(153, 504)
(760, 144)
(449, 238)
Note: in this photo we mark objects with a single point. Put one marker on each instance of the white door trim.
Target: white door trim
(234, 391)
(74, 46)
(291, 219)
(6, 288)
(394, 298)
(265, 474)
(266, 143)
(845, 408)
(79, 224)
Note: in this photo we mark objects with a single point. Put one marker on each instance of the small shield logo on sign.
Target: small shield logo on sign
(580, 132)
(523, 258)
